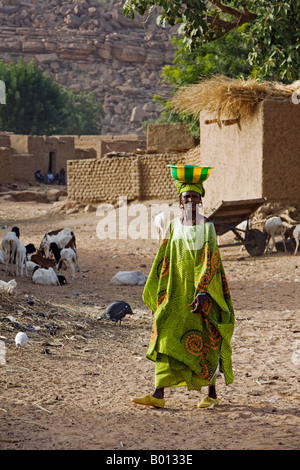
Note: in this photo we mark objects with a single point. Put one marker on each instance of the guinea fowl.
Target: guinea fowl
(116, 311)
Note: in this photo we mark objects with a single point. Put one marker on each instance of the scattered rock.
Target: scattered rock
(73, 210)
(55, 194)
(24, 196)
(90, 208)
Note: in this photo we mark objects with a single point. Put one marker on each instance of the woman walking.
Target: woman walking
(193, 314)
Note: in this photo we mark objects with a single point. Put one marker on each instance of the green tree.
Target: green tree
(271, 28)
(84, 114)
(36, 105)
(224, 56)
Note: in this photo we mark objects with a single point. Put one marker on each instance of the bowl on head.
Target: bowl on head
(190, 173)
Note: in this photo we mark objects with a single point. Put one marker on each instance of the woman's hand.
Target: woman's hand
(198, 303)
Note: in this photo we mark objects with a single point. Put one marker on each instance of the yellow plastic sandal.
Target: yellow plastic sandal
(148, 400)
(207, 402)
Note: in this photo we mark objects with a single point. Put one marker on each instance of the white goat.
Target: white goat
(64, 238)
(2, 258)
(243, 226)
(129, 278)
(294, 234)
(21, 257)
(65, 254)
(9, 245)
(30, 265)
(273, 227)
(160, 222)
(46, 276)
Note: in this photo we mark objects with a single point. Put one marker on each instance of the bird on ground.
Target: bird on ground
(116, 311)
(21, 340)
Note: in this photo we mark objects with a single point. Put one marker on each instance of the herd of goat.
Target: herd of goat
(58, 248)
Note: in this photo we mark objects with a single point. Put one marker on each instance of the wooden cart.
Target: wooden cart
(226, 215)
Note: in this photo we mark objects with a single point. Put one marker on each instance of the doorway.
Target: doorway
(52, 163)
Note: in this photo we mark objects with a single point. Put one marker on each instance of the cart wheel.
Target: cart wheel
(256, 242)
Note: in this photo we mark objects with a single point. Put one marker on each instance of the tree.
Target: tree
(225, 56)
(84, 114)
(37, 105)
(271, 28)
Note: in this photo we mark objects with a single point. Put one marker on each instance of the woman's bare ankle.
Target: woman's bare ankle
(212, 393)
(159, 392)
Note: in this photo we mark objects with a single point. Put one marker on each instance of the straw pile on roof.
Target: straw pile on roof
(233, 98)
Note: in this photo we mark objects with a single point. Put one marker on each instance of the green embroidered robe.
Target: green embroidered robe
(189, 347)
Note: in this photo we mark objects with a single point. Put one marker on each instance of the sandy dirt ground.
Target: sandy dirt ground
(71, 388)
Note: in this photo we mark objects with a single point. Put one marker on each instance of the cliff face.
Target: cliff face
(88, 45)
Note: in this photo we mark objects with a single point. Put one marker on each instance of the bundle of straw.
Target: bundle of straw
(229, 97)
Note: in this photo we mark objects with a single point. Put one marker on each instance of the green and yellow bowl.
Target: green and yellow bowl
(190, 173)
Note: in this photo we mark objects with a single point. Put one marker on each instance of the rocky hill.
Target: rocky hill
(88, 45)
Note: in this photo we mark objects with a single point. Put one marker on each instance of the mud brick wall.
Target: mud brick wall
(137, 177)
(23, 167)
(4, 140)
(281, 151)
(103, 144)
(170, 138)
(156, 176)
(6, 166)
(257, 158)
(62, 148)
(84, 153)
(98, 180)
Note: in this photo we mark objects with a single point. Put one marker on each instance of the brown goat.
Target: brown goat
(43, 262)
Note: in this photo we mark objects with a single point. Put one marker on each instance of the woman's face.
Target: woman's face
(190, 197)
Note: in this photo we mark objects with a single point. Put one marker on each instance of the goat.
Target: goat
(9, 245)
(21, 257)
(129, 278)
(65, 254)
(2, 258)
(47, 276)
(30, 266)
(244, 226)
(160, 224)
(294, 234)
(272, 228)
(43, 262)
(64, 238)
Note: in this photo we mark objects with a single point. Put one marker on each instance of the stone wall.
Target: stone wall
(88, 45)
(259, 157)
(136, 177)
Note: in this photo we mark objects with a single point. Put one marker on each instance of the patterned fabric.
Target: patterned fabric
(189, 347)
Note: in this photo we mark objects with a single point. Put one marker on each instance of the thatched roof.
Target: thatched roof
(233, 98)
